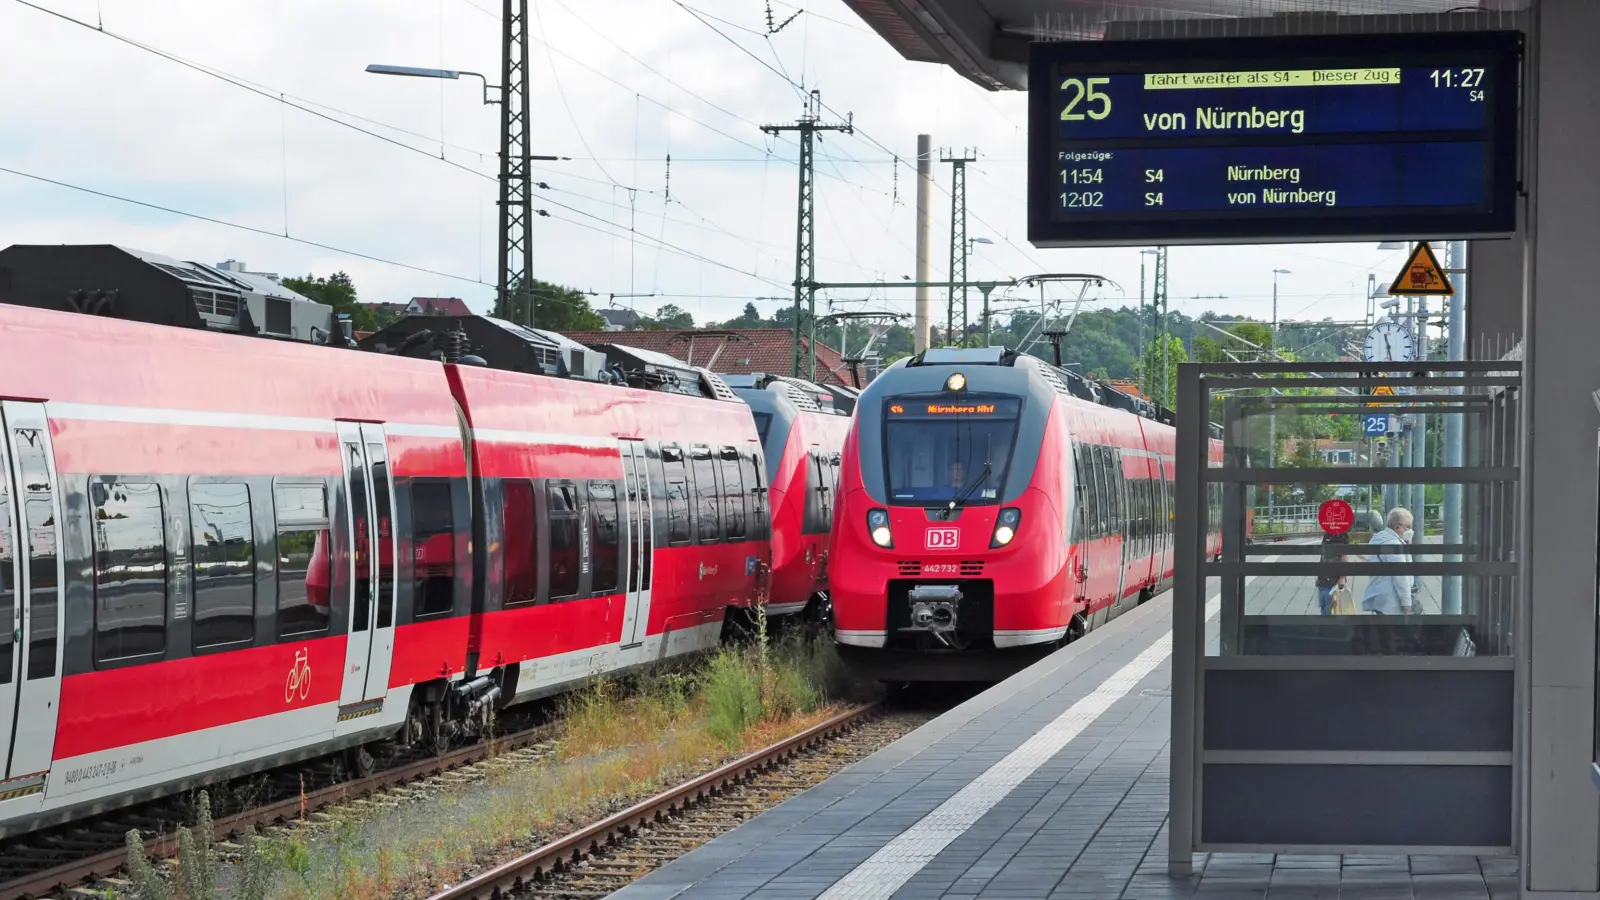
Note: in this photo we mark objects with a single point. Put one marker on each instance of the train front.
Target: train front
(948, 556)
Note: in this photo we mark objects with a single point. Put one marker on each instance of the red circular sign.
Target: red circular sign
(1336, 517)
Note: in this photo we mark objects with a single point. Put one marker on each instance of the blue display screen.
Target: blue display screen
(1273, 139)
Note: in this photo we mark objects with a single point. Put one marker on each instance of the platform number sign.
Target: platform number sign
(1375, 424)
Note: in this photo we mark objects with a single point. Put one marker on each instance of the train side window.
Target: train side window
(733, 508)
(1097, 481)
(604, 538)
(223, 554)
(705, 490)
(8, 588)
(1085, 493)
(39, 537)
(677, 493)
(130, 571)
(750, 476)
(305, 562)
(565, 555)
(433, 548)
(519, 549)
(381, 497)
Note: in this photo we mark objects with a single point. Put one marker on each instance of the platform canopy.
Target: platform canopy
(987, 40)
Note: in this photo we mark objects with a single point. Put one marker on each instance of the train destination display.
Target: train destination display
(1242, 140)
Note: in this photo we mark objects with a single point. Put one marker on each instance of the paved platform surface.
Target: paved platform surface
(1050, 786)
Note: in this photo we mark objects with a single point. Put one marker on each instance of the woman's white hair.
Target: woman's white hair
(1400, 518)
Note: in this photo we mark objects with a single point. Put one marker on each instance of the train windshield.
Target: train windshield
(942, 449)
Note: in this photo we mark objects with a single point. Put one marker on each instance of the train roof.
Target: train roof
(806, 395)
(1062, 379)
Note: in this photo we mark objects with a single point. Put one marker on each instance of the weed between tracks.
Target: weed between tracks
(619, 743)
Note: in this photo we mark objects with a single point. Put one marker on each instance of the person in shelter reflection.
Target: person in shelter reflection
(1390, 594)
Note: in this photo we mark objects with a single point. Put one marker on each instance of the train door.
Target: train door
(639, 548)
(1163, 521)
(1081, 529)
(373, 543)
(30, 595)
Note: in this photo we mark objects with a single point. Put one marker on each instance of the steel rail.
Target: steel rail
(514, 875)
(101, 865)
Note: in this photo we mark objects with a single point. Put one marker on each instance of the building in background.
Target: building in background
(741, 351)
(620, 319)
(437, 306)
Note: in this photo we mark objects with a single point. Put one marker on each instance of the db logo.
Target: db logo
(944, 538)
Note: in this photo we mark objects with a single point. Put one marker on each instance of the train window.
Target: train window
(520, 551)
(381, 489)
(763, 424)
(305, 558)
(565, 555)
(705, 490)
(130, 571)
(361, 593)
(733, 510)
(604, 538)
(751, 478)
(1080, 495)
(223, 554)
(38, 505)
(8, 590)
(677, 494)
(433, 547)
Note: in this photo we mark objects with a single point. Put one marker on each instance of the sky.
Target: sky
(287, 156)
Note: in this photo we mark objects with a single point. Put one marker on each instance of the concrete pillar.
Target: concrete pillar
(1561, 836)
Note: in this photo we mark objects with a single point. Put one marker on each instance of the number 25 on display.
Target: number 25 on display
(1081, 90)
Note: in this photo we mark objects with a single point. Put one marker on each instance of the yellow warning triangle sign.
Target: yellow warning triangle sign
(1422, 276)
(1383, 390)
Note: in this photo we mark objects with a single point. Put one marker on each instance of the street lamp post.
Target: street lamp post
(516, 187)
(1272, 415)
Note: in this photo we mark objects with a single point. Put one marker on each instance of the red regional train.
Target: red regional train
(222, 554)
(994, 507)
(802, 435)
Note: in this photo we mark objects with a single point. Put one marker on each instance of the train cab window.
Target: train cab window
(520, 553)
(8, 588)
(433, 547)
(130, 571)
(565, 554)
(223, 554)
(709, 529)
(819, 494)
(936, 453)
(305, 562)
(38, 512)
(733, 507)
(763, 424)
(605, 538)
(677, 494)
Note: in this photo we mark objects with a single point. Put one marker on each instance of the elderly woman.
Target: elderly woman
(1390, 595)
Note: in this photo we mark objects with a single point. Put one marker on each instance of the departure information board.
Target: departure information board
(1268, 140)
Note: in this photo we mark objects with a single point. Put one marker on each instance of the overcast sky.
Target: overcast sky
(617, 86)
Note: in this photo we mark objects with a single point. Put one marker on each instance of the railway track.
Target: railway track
(92, 852)
(600, 858)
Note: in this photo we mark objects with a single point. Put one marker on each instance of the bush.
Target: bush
(732, 689)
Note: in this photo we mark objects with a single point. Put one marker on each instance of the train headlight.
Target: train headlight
(878, 527)
(955, 382)
(1005, 528)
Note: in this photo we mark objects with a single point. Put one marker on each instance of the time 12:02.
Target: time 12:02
(1082, 176)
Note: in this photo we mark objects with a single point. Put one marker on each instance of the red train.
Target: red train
(993, 508)
(802, 434)
(223, 554)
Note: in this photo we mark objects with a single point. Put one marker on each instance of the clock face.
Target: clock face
(1390, 342)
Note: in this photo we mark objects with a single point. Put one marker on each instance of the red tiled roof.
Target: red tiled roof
(769, 350)
(448, 306)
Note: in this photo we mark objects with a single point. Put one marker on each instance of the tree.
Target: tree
(750, 318)
(556, 308)
(668, 317)
(1164, 390)
(339, 292)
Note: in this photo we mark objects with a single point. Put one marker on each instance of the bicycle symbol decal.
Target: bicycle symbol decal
(299, 681)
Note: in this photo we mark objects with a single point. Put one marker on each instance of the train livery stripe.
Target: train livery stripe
(130, 705)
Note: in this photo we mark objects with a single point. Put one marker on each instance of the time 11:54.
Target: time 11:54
(1083, 176)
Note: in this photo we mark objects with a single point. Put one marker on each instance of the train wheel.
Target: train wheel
(361, 761)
